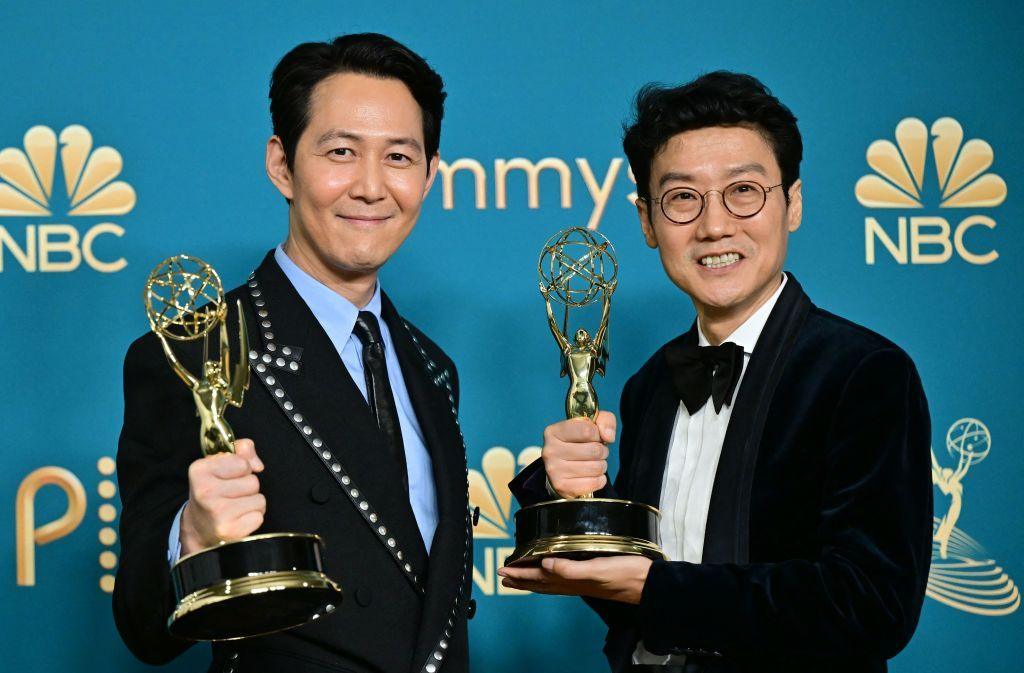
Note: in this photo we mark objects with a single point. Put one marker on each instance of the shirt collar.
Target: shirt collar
(336, 314)
(747, 334)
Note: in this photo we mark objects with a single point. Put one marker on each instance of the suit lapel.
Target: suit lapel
(726, 537)
(323, 403)
(433, 399)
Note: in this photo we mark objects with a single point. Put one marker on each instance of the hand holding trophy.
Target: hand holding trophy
(577, 267)
(257, 584)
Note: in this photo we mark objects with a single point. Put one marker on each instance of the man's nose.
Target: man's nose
(716, 221)
(369, 182)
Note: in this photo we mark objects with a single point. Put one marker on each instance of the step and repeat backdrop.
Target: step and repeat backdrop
(131, 132)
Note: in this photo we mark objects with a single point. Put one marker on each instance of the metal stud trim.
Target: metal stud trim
(443, 379)
(277, 354)
(302, 423)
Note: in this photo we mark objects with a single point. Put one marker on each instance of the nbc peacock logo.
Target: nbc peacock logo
(30, 189)
(488, 491)
(901, 181)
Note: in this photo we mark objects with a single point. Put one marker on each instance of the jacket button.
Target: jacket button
(471, 608)
(364, 596)
(320, 493)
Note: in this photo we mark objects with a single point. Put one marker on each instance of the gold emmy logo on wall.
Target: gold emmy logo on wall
(488, 490)
(963, 575)
(900, 182)
(29, 536)
(27, 180)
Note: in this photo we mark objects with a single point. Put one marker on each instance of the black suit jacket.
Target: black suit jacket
(391, 619)
(818, 535)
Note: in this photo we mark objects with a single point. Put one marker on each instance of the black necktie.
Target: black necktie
(699, 372)
(378, 388)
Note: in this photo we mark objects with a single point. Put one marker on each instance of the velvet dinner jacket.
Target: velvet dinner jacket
(323, 456)
(818, 537)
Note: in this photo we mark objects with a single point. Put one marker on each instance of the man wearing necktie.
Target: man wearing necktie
(786, 448)
(350, 428)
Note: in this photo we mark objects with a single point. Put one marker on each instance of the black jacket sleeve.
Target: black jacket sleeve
(863, 594)
(159, 439)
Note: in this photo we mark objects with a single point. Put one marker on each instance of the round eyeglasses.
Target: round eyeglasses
(742, 199)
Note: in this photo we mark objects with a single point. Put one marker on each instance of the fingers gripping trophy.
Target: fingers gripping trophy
(261, 583)
(578, 268)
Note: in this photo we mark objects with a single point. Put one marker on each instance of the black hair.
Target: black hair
(718, 98)
(373, 54)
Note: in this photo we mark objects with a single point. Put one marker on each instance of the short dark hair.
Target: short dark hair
(718, 98)
(373, 54)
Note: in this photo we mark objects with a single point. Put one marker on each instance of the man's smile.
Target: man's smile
(720, 261)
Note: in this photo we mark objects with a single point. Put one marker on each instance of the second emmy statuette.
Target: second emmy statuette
(578, 268)
(258, 584)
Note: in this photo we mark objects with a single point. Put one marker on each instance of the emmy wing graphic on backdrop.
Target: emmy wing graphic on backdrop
(962, 576)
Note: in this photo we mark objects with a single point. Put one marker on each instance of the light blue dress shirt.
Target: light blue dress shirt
(337, 316)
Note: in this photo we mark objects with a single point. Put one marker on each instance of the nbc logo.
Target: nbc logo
(27, 178)
(899, 182)
(488, 490)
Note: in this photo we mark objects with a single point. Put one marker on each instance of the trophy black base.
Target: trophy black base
(251, 587)
(586, 528)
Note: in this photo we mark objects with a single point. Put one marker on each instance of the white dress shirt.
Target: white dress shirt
(694, 449)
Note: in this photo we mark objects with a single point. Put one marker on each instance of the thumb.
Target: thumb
(606, 423)
(246, 448)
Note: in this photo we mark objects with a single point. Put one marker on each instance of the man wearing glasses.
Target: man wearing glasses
(787, 448)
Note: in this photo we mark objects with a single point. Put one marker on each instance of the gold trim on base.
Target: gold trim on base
(247, 586)
(571, 545)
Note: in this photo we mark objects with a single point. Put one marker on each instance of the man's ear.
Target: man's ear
(431, 173)
(795, 212)
(277, 167)
(643, 211)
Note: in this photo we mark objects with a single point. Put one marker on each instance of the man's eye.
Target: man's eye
(397, 156)
(683, 196)
(340, 152)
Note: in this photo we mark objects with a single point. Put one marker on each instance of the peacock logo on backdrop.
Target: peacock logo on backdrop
(31, 192)
(900, 182)
(491, 501)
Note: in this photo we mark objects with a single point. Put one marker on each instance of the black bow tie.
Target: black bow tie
(699, 372)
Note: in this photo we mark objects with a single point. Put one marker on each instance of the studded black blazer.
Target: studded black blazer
(326, 472)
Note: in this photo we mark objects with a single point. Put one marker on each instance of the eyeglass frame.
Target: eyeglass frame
(704, 200)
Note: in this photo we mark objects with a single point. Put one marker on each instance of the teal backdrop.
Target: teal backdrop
(179, 91)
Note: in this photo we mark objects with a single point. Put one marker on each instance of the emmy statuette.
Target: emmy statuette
(577, 268)
(262, 583)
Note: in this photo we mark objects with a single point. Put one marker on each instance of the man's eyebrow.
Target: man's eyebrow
(675, 176)
(341, 134)
(752, 167)
(336, 134)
